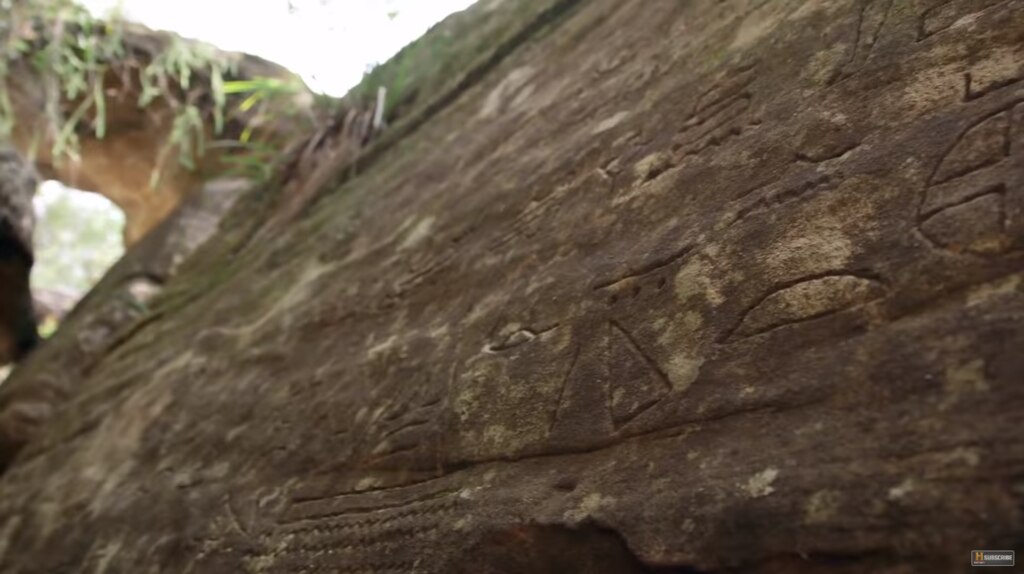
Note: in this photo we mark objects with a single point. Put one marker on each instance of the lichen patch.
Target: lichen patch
(761, 483)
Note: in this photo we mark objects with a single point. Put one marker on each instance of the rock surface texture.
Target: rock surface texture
(657, 286)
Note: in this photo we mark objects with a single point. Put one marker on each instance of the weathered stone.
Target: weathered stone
(623, 305)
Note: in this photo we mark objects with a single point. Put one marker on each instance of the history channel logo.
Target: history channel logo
(992, 558)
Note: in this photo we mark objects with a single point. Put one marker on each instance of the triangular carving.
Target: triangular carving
(636, 382)
(581, 418)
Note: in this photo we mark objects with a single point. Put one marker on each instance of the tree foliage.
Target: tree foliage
(82, 62)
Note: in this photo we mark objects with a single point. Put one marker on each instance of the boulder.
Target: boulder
(709, 286)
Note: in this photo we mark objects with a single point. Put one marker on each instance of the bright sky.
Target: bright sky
(330, 43)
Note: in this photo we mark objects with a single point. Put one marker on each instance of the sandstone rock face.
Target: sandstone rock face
(663, 286)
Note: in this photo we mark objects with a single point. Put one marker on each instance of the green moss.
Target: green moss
(448, 52)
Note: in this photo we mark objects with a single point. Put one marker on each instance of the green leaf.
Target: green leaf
(101, 109)
(251, 101)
